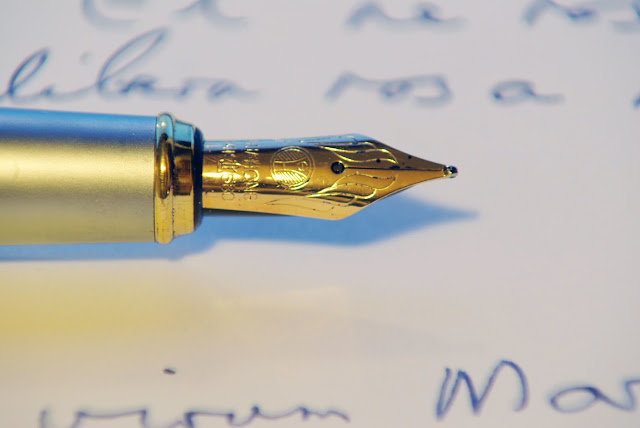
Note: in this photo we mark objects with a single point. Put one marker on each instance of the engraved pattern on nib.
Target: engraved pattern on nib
(354, 188)
(291, 167)
(359, 185)
(363, 155)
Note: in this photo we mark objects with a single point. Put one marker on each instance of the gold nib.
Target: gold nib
(324, 177)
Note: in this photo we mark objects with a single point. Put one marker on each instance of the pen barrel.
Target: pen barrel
(81, 178)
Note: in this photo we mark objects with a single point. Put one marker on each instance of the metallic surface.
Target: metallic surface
(324, 177)
(73, 177)
(76, 177)
(174, 184)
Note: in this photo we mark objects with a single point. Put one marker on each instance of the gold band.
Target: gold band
(173, 181)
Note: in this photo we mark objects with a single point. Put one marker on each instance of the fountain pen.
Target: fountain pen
(81, 177)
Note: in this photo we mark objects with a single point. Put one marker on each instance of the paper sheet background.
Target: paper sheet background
(530, 255)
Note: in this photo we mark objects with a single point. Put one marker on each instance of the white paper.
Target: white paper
(525, 266)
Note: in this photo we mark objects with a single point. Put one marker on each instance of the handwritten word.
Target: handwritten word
(98, 13)
(593, 394)
(577, 13)
(517, 91)
(438, 92)
(434, 91)
(584, 13)
(427, 15)
(116, 77)
(444, 403)
(188, 419)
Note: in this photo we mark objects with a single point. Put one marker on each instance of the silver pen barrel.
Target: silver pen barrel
(78, 177)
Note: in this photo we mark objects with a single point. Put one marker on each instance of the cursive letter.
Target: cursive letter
(95, 16)
(518, 91)
(443, 405)
(594, 395)
(23, 73)
(575, 14)
(118, 63)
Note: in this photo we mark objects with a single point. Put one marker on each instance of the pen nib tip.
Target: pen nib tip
(450, 171)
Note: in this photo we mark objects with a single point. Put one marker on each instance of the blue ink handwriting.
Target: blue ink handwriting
(426, 15)
(576, 13)
(557, 400)
(97, 17)
(116, 77)
(584, 13)
(101, 14)
(477, 400)
(434, 91)
(188, 419)
(518, 91)
(435, 86)
(634, 23)
(210, 10)
(594, 395)
(119, 75)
